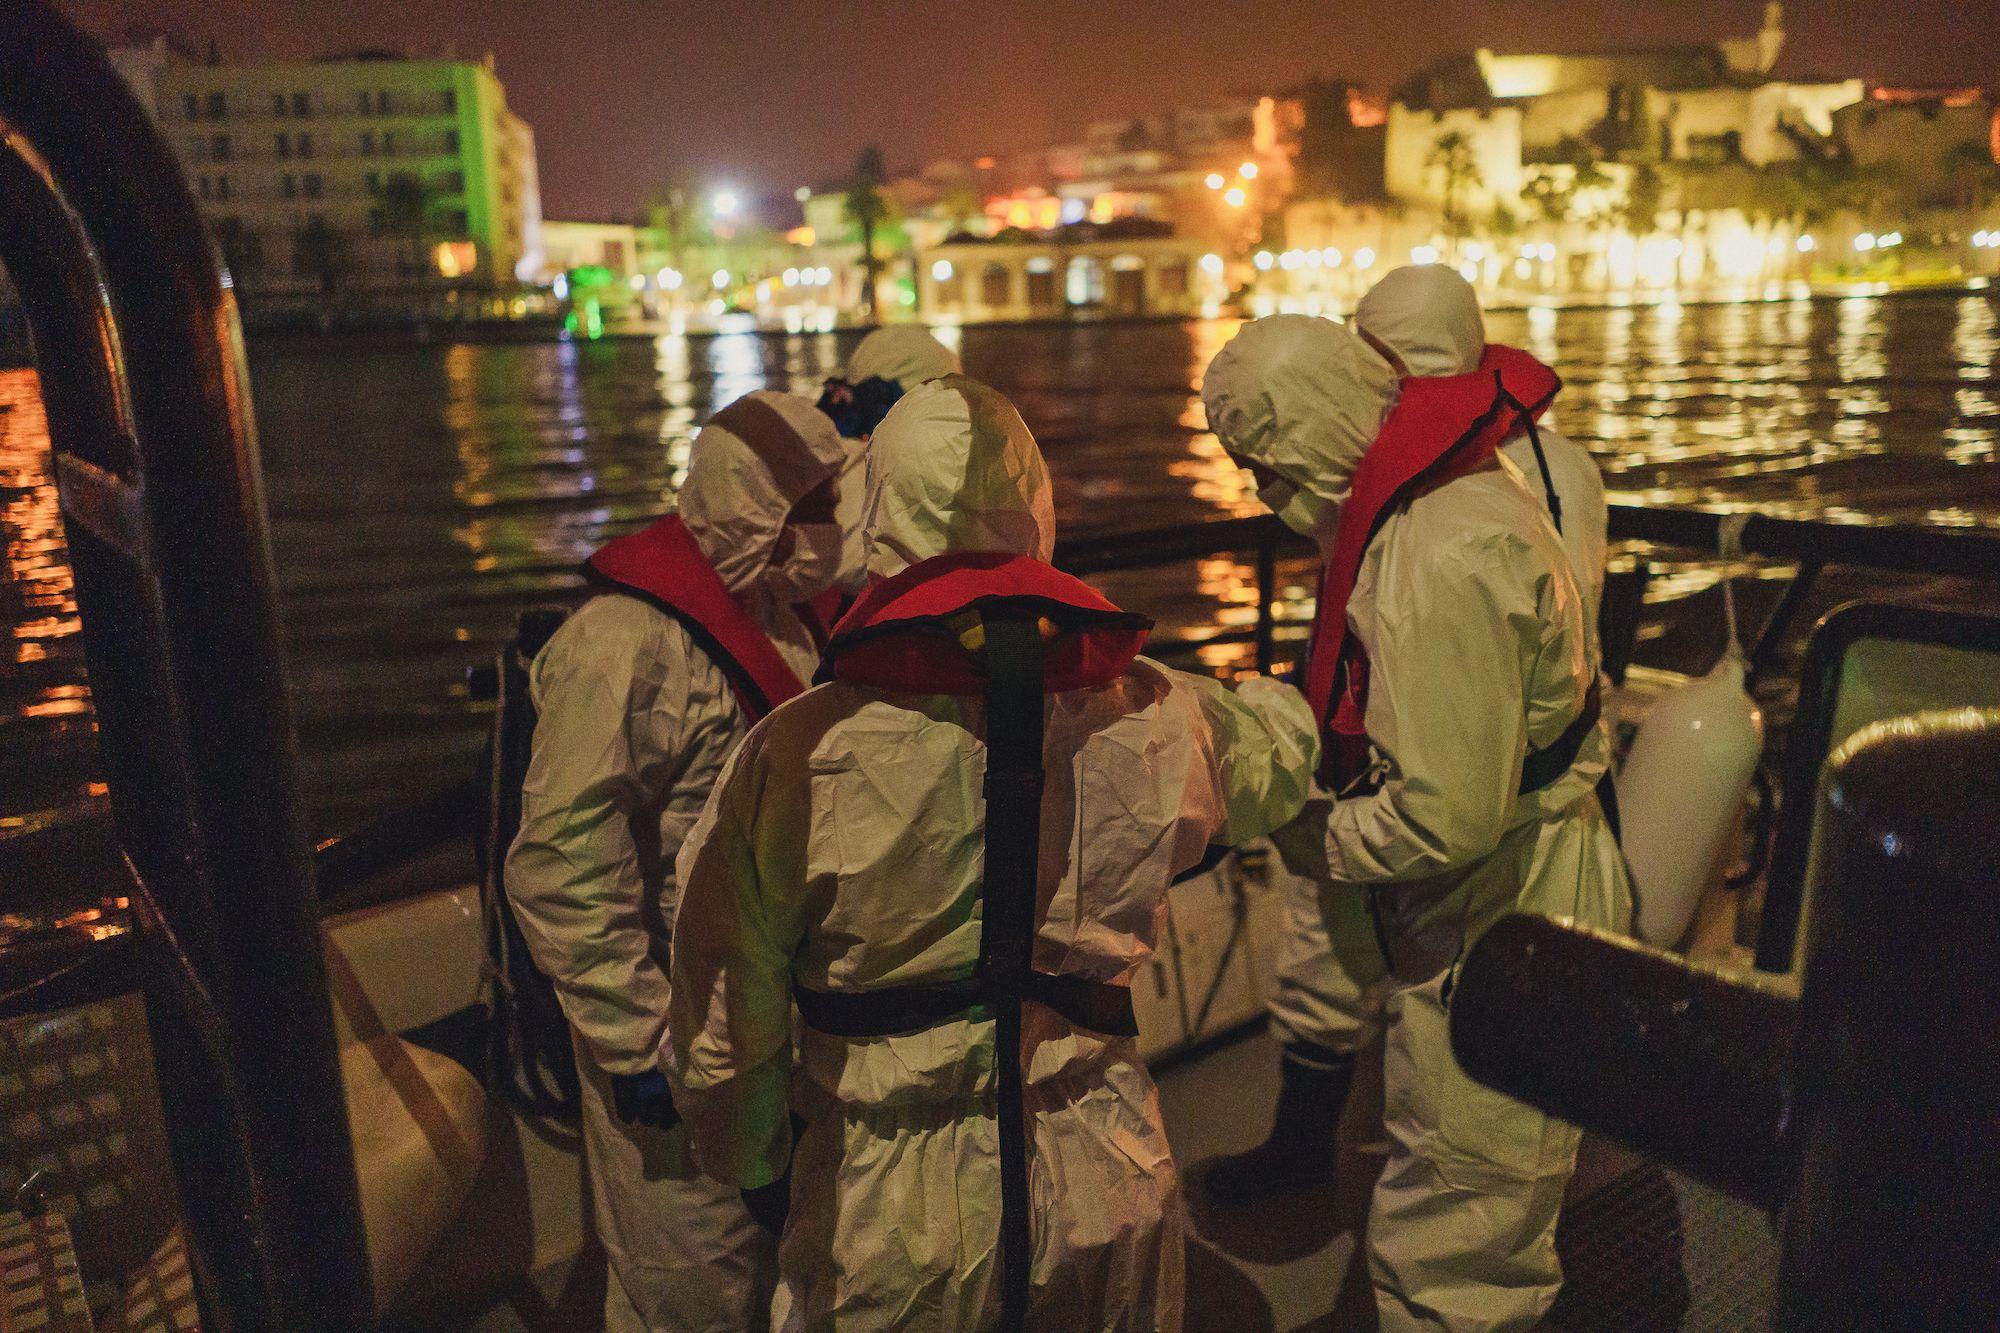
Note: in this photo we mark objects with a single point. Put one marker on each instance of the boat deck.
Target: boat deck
(1642, 1248)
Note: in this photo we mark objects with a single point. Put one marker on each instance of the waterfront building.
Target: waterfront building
(1692, 166)
(1118, 269)
(370, 170)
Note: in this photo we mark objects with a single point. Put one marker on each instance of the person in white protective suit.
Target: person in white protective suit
(642, 694)
(1425, 320)
(886, 364)
(844, 864)
(1453, 678)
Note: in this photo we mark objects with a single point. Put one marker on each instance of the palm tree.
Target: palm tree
(1452, 155)
(867, 209)
(322, 254)
(673, 212)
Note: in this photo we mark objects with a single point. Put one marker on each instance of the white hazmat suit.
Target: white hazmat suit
(906, 355)
(843, 851)
(1473, 626)
(636, 720)
(1428, 317)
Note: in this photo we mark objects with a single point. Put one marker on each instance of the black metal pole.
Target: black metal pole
(1893, 1218)
(1675, 1061)
(1267, 594)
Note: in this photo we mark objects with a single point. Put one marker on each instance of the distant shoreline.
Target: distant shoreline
(15, 355)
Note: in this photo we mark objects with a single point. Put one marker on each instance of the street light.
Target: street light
(803, 193)
(1214, 181)
(1248, 171)
(1236, 198)
(726, 203)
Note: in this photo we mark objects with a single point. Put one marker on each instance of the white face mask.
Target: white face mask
(812, 566)
(1300, 510)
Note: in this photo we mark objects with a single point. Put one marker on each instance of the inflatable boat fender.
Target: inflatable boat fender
(1680, 791)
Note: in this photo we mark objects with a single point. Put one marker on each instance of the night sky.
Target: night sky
(771, 95)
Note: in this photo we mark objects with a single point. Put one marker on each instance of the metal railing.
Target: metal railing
(348, 862)
(155, 456)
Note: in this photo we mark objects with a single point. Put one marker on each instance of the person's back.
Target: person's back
(845, 855)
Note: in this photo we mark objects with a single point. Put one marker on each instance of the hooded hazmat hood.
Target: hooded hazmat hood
(954, 468)
(905, 354)
(1302, 396)
(1429, 316)
(750, 464)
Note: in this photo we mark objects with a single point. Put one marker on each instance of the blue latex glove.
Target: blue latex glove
(644, 1099)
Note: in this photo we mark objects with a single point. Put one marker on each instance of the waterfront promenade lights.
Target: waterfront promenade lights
(726, 203)
(1264, 261)
(720, 280)
(941, 271)
(670, 279)
(1364, 258)
(1235, 197)
(1865, 242)
(1215, 181)
(803, 193)
(1248, 171)
(1807, 244)
(1212, 264)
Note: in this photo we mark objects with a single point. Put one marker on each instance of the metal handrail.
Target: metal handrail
(1911, 547)
(141, 363)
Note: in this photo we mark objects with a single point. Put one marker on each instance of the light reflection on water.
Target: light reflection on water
(423, 495)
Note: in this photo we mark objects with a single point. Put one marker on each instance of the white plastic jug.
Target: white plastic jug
(1680, 791)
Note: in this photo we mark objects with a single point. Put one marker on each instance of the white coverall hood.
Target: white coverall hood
(1304, 397)
(750, 464)
(1429, 316)
(908, 354)
(954, 468)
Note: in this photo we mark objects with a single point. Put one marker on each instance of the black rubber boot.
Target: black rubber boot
(1299, 1154)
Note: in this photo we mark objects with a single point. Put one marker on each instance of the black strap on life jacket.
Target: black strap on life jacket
(1545, 765)
(1013, 793)
(1527, 418)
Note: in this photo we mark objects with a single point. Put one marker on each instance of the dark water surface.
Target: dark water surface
(422, 495)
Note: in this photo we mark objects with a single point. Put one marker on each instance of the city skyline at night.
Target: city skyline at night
(766, 98)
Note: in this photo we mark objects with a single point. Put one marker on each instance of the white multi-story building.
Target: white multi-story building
(282, 155)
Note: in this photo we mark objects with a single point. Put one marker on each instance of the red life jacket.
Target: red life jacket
(899, 635)
(1442, 428)
(664, 566)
